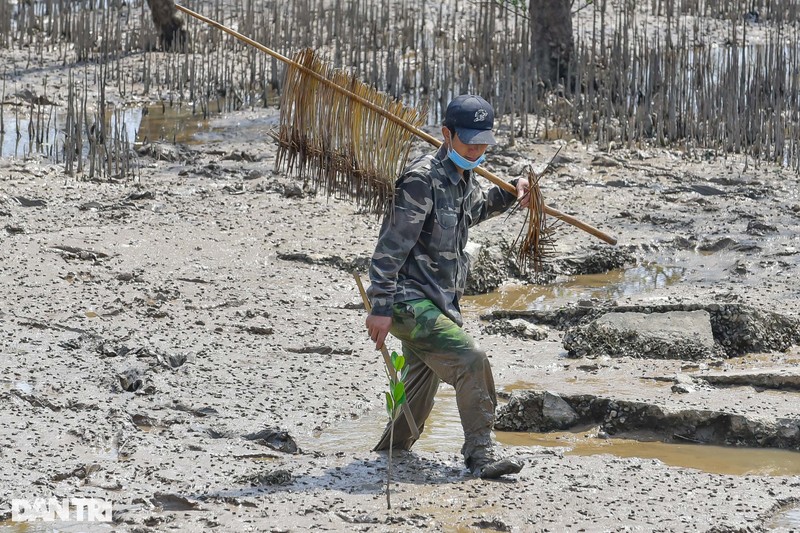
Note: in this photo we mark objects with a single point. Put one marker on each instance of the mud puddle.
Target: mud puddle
(21, 386)
(190, 125)
(607, 286)
(42, 131)
(443, 433)
(171, 123)
(788, 519)
(183, 123)
(711, 459)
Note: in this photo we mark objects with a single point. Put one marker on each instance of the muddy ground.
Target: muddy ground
(190, 346)
(148, 327)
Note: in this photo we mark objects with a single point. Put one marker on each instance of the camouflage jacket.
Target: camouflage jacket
(420, 250)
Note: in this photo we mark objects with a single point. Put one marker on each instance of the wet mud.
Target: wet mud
(189, 344)
(191, 347)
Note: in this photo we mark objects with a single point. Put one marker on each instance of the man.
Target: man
(418, 273)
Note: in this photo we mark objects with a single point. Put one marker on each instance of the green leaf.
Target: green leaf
(389, 404)
(398, 391)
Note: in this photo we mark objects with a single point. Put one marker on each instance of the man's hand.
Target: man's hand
(378, 327)
(523, 192)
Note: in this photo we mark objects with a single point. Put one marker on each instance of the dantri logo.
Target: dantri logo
(65, 509)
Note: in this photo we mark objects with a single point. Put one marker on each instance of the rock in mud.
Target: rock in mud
(493, 524)
(557, 411)
(274, 438)
(671, 335)
(131, 380)
(14, 230)
(781, 379)
(684, 384)
(741, 329)
(173, 502)
(171, 361)
(759, 229)
(29, 202)
(486, 271)
(529, 411)
(597, 261)
(272, 477)
(517, 327)
(737, 328)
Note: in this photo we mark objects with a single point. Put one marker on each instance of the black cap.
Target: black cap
(472, 118)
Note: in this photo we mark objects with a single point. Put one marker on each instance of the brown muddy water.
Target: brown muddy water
(443, 429)
(443, 433)
(607, 286)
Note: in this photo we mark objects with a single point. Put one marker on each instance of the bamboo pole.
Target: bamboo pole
(416, 131)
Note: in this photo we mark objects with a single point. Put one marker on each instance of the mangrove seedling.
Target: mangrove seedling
(395, 398)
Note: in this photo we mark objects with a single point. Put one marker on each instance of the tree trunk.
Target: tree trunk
(171, 34)
(552, 43)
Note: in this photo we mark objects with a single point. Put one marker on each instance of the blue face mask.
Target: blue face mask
(462, 162)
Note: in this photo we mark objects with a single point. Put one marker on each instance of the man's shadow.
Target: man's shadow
(360, 476)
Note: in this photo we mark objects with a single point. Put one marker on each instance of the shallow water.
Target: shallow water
(443, 434)
(712, 459)
(789, 519)
(607, 286)
(179, 123)
(443, 431)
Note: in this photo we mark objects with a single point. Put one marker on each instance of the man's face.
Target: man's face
(469, 151)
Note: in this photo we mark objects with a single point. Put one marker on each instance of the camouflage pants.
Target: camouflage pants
(437, 349)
